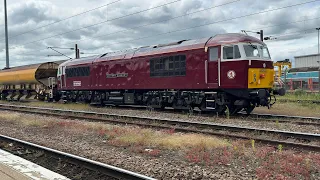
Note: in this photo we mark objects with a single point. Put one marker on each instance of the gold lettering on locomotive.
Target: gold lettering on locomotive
(117, 75)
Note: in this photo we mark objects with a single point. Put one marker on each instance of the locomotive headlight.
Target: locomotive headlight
(262, 76)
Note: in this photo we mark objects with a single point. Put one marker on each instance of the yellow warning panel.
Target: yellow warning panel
(260, 78)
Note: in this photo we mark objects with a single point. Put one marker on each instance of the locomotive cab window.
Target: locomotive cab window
(214, 54)
(256, 51)
(231, 52)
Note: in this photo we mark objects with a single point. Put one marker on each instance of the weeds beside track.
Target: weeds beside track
(69, 165)
(292, 139)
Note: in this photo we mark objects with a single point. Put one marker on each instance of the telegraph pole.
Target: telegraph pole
(318, 60)
(318, 41)
(318, 75)
(6, 33)
(77, 51)
(261, 35)
(258, 32)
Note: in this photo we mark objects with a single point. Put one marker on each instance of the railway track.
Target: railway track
(301, 120)
(274, 137)
(72, 166)
(314, 121)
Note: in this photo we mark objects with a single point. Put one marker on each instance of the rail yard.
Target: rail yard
(179, 89)
(253, 132)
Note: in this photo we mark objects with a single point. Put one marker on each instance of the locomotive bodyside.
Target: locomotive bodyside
(211, 74)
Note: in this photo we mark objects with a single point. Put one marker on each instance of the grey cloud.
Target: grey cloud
(31, 14)
(30, 11)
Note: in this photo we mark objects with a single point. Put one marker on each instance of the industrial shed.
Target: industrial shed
(307, 60)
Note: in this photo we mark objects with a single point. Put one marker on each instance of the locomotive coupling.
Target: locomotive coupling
(280, 92)
(259, 93)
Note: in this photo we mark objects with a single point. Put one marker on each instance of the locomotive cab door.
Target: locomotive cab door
(232, 68)
(63, 77)
(212, 67)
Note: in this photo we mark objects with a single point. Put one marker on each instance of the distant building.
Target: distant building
(307, 60)
(305, 74)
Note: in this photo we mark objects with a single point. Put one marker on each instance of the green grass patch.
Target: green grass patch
(301, 95)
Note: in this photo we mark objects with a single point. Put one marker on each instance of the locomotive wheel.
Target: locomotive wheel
(188, 109)
(234, 109)
(153, 103)
(249, 109)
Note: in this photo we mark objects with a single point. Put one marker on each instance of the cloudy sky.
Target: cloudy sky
(35, 25)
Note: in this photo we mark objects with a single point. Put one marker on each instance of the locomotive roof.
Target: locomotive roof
(84, 60)
(182, 45)
(232, 38)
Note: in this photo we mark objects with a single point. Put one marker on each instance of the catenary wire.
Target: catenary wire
(102, 22)
(219, 21)
(157, 22)
(49, 24)
(132, 28)
(229, 19)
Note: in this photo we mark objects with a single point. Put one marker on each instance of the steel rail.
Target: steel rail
(109, 170)
(178, 125)
(286, 116)
(301, 120)
(315, 121)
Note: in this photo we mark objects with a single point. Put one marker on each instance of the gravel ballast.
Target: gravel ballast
(169, 164)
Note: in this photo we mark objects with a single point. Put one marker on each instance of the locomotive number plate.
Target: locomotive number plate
(76, 83)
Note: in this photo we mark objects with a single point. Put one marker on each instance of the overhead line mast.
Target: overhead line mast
(6, 32)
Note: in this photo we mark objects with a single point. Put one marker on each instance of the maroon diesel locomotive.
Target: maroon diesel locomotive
(231, 71)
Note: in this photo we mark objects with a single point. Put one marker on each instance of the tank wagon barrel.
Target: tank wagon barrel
(36, 81)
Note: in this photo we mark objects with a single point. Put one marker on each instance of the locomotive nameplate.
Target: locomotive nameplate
(76, 83)
(117, 75)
